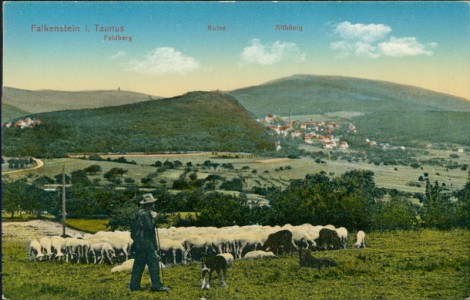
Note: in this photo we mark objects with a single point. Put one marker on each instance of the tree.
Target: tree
(41, 181)
(193, 176)
(121, 218)
(113, 174)
(58, 179)
(236, 184)
(93, 169)
(398, 213)
(463, 205)
(80, 178)
(12, 194)
(438, 210)
(147, 181)
(21, 196)
(217, 209)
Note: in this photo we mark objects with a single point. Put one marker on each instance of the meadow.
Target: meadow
(425, 264)
(262, 171)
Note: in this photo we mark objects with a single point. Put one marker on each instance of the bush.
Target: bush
(395, 214)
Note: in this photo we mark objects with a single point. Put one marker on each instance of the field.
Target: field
(262, 171)
(424, 264)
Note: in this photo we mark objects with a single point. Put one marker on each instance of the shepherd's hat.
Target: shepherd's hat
(148, 198)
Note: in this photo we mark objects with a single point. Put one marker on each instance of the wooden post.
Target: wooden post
(63, 201)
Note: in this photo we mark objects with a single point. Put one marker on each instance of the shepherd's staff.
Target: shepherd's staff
(159, 252)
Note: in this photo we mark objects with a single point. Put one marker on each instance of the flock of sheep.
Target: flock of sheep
(186, 244)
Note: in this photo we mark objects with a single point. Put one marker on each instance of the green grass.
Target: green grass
(395, 265)
(88, 225)
(385, 176)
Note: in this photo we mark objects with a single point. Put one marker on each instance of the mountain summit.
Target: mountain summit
(315, 94)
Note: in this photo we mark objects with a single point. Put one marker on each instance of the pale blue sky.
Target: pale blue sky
(172, 51)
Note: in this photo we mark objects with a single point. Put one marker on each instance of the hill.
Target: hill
(10, 112)
(314, 94)
(208, 121)
(385, 111)
(49, 100)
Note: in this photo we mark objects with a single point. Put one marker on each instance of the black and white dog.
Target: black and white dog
(218, 263)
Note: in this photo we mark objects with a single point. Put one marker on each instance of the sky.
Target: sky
(170, 48)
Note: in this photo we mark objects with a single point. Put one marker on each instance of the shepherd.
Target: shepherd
(144, 246)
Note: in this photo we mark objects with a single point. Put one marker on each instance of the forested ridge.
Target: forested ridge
(197, 121)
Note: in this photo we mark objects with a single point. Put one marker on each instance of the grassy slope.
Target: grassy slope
(11, 112)
(195, 121)
(395, 265)
(49, 100)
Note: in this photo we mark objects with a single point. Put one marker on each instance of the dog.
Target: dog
(307, 260)
(219, 264)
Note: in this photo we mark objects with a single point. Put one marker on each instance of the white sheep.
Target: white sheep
(104, 250)
(258, 254)
(168, 245)
(127, 266)
(360, 239)
(77, 247)
(343, 236)
(58, 244)
(35, 250)
(245, 239)
(46, 246)
(228, 257)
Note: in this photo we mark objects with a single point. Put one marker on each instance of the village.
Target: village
(23, 123)
(327, 133)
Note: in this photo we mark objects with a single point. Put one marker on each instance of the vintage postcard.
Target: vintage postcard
(236, 150)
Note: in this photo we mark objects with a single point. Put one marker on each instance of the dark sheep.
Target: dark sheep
(307, 260)
(280, 242)
(328, 240)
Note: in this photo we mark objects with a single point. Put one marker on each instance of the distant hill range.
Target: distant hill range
(120, 121)
(19, 102)
(314, 94)
(197, 121)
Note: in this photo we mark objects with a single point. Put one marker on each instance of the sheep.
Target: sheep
(218, 263)
(228, 257)
(245, 242)
(301, 236)
(171, 249)
(127, 266)
(343, 236)
(328, 240)
(35, 250)
(258, 254)
(178, 245)
(307, 260)
(195, 245)
(58, 244)
(122, 246)
(46, 246)
(280, 242)
(105, 250)
(360, 239)
(77, 247)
